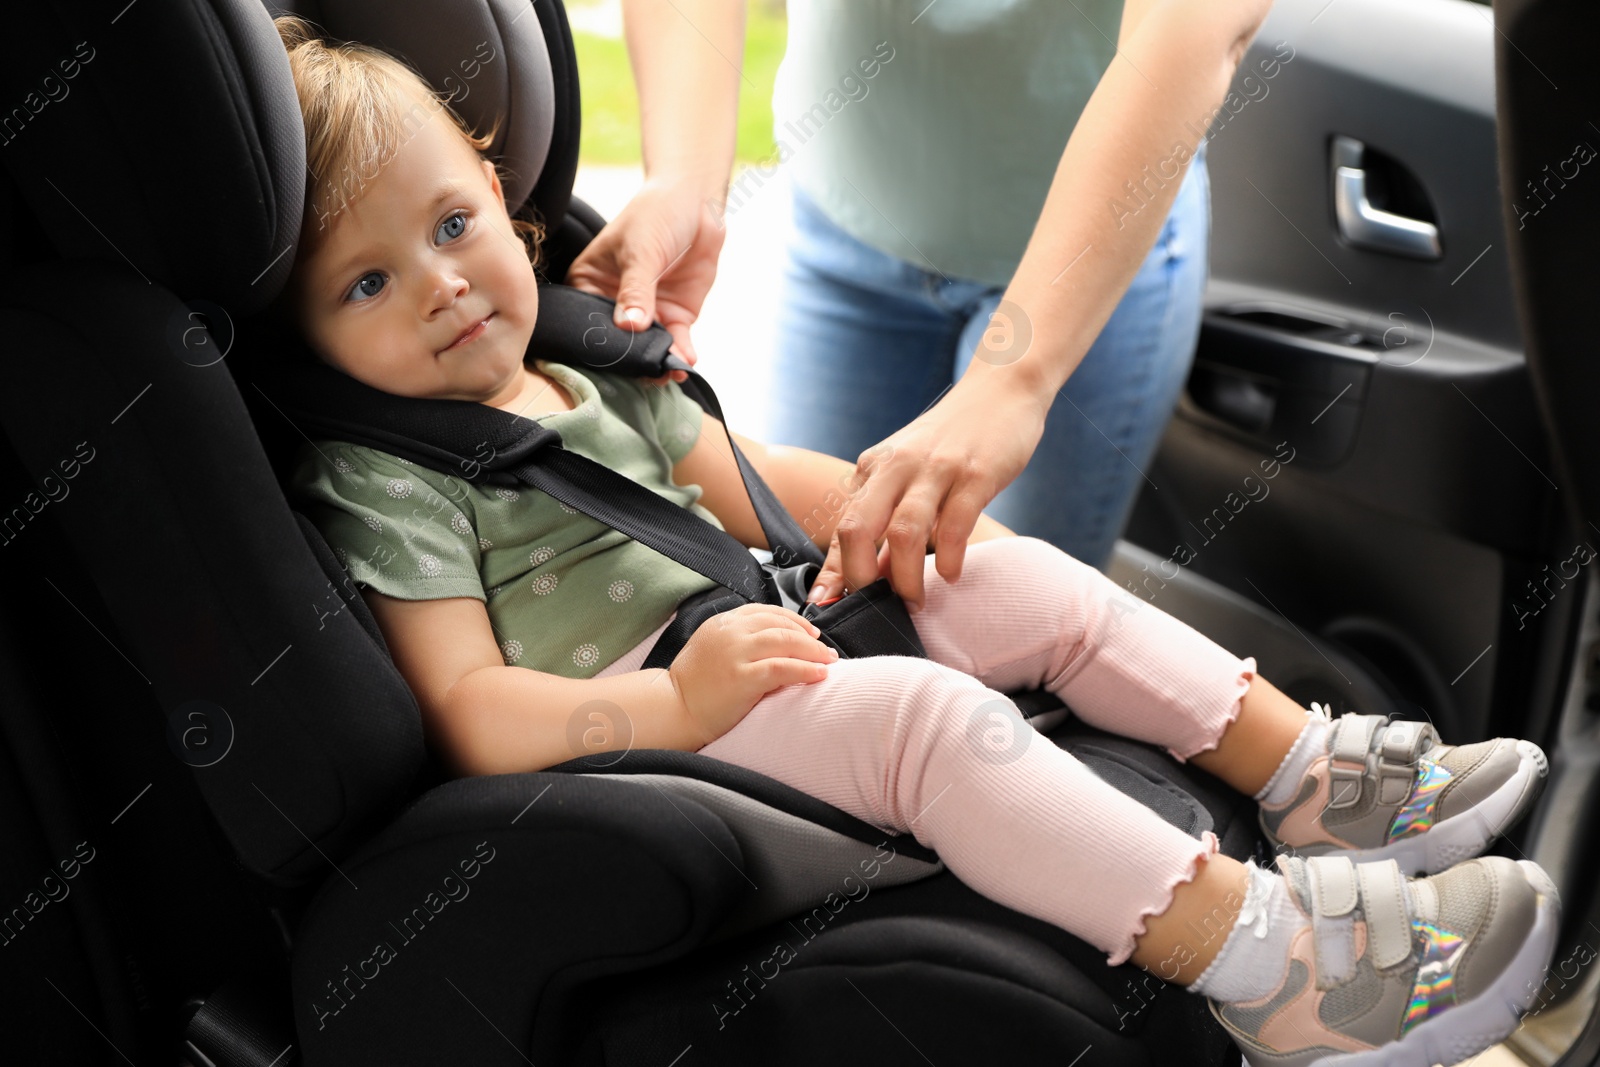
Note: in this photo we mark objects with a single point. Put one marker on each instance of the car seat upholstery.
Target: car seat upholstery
(359, 907)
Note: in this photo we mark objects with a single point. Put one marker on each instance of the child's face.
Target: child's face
(425, 253)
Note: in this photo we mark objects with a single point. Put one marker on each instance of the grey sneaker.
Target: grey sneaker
(1391, 973)
(1390, 790)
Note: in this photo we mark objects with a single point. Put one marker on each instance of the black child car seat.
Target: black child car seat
(266, 867)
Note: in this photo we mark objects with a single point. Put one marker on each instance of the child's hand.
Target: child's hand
(736, 658)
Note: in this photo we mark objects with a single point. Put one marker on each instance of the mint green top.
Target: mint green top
(565, 593)
(931, 131)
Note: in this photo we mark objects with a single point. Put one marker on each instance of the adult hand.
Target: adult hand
(657, 260)
(737, 657)
(927, 485)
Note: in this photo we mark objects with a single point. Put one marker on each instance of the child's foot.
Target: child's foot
(1394, 792)
(1382, 972)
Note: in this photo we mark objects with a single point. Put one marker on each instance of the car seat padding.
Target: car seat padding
(792, 863)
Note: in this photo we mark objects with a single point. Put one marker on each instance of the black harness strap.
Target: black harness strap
(623, 504)
(575, 328)
(486, 445)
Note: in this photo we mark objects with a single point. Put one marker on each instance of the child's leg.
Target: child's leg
(1319, 958)
(900, 742)
(1025, 615)
(1325, 956)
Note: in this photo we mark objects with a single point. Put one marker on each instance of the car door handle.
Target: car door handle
(1369, 227)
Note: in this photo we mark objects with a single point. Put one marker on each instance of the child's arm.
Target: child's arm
(483, 717)
(812, 486)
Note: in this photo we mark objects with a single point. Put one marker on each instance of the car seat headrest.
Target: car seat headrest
(168, 139)
(487, 56)
(168, 136)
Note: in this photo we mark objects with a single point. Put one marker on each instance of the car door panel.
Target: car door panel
(1358, 450)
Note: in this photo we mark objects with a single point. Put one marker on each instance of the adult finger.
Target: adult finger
(682, 343)
(830, 579)
(680, 335)
(883, 561)
(595, 269)
(585, 283)
(909, 532)
(957, 519)
(882, 482)
(636, 292)
(635, 308)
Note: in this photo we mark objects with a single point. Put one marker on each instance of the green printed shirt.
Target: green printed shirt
(565, 593)
(932, 131)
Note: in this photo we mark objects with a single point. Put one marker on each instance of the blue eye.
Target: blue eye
(368, 285)
(454, 226)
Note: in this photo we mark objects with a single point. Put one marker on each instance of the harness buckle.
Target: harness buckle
(792, 583)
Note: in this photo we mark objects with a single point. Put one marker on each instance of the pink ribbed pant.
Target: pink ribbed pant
(934, 748)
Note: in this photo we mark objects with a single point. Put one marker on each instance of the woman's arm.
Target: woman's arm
(484, 717)
(686, 59)
(658, 257)
(812, 487)
(1111, 192)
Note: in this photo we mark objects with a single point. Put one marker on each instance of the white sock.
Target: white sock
(1311, 745)
(1254, 960)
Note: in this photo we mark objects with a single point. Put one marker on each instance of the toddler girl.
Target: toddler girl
(508, 613)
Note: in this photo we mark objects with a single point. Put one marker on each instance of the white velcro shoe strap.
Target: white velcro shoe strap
(1405, 739)
(1349, 749)
(1383, 901)
(1403, 743)
(1334, 889)
(1352, 737)
(1333, 885)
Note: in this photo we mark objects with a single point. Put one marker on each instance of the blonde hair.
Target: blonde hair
(353, 101)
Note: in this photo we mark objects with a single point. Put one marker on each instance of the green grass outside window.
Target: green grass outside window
(611, 104)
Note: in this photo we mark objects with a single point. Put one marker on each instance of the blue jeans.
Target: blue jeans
(866, 342)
